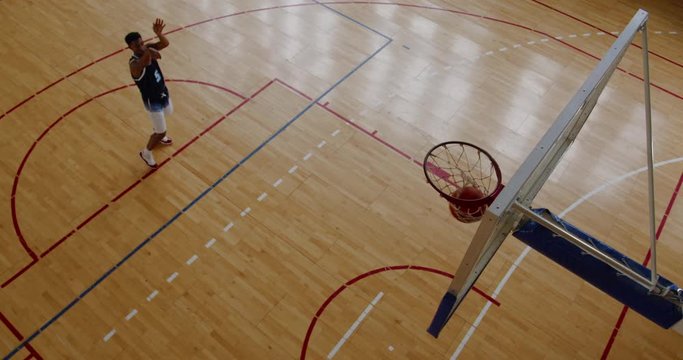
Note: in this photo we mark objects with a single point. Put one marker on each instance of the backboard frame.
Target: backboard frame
(502, 216)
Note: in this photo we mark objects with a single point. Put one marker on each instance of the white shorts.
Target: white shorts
(159, 117)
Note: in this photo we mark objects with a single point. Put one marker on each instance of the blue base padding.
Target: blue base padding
(443, 314)
(599, 274)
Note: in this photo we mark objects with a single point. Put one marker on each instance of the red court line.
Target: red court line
(233, 92)
(328, 301)
(20, 272)
(17, 334)
(11, 327)
(342, 3)
(243, 12)
(605, 31)
(262, 88)
(20, 104)
(397, 150)
(674, 195)
(624, 310)
(15, 217)
(124, 192)
(51, 85)
(346, 120)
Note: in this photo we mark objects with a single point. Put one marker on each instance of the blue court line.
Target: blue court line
(204, 193)
(353, 20)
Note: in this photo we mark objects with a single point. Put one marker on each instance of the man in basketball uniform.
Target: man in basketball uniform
(146, 72)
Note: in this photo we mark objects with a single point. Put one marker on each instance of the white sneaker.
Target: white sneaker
(148, 158)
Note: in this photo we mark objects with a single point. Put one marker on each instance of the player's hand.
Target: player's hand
(158, 26)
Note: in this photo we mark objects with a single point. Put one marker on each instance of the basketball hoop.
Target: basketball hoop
(465, 175)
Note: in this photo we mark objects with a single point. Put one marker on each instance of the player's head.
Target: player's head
(134, 42)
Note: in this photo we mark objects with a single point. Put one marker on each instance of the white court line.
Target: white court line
(210, 243)
(355, 325)
(261, 197)
(277, 183)
(152, 295)
(527, 249)
(192, 259)
(172, 277)
(131, 314)
(228, 227)
(109, 335)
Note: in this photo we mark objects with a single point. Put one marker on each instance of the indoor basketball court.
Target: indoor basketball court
(291, 216)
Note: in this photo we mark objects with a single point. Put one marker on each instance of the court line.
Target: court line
(602, 30)
(625, 308)
(374, 136)
(527, 249)
(175, 274)
(201, 196)
(131, 314)
(355, 325)
(326, 4)
(82, 68)
(34, 258)
(15, 186)
(318, 314)
(18, 336)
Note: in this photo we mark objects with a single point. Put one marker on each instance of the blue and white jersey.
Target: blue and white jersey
(151, 83)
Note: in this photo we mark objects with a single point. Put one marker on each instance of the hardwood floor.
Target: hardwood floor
(291, 217)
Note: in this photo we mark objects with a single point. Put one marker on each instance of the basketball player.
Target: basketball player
(146, 72)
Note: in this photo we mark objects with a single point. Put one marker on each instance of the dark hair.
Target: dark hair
(132, 37)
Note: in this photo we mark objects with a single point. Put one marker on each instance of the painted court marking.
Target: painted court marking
(172, 277)
(152, 295)
(173, 218)
(527, 249)
(355, 325)
(109, 335)
(191, 260)
(131, 314)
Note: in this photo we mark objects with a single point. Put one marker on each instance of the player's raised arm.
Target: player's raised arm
(158, 28)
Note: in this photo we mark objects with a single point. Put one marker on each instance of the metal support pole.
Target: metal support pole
(583, 245)
(650, 156)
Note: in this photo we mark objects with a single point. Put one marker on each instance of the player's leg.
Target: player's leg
(159, 127)
(168, 110)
